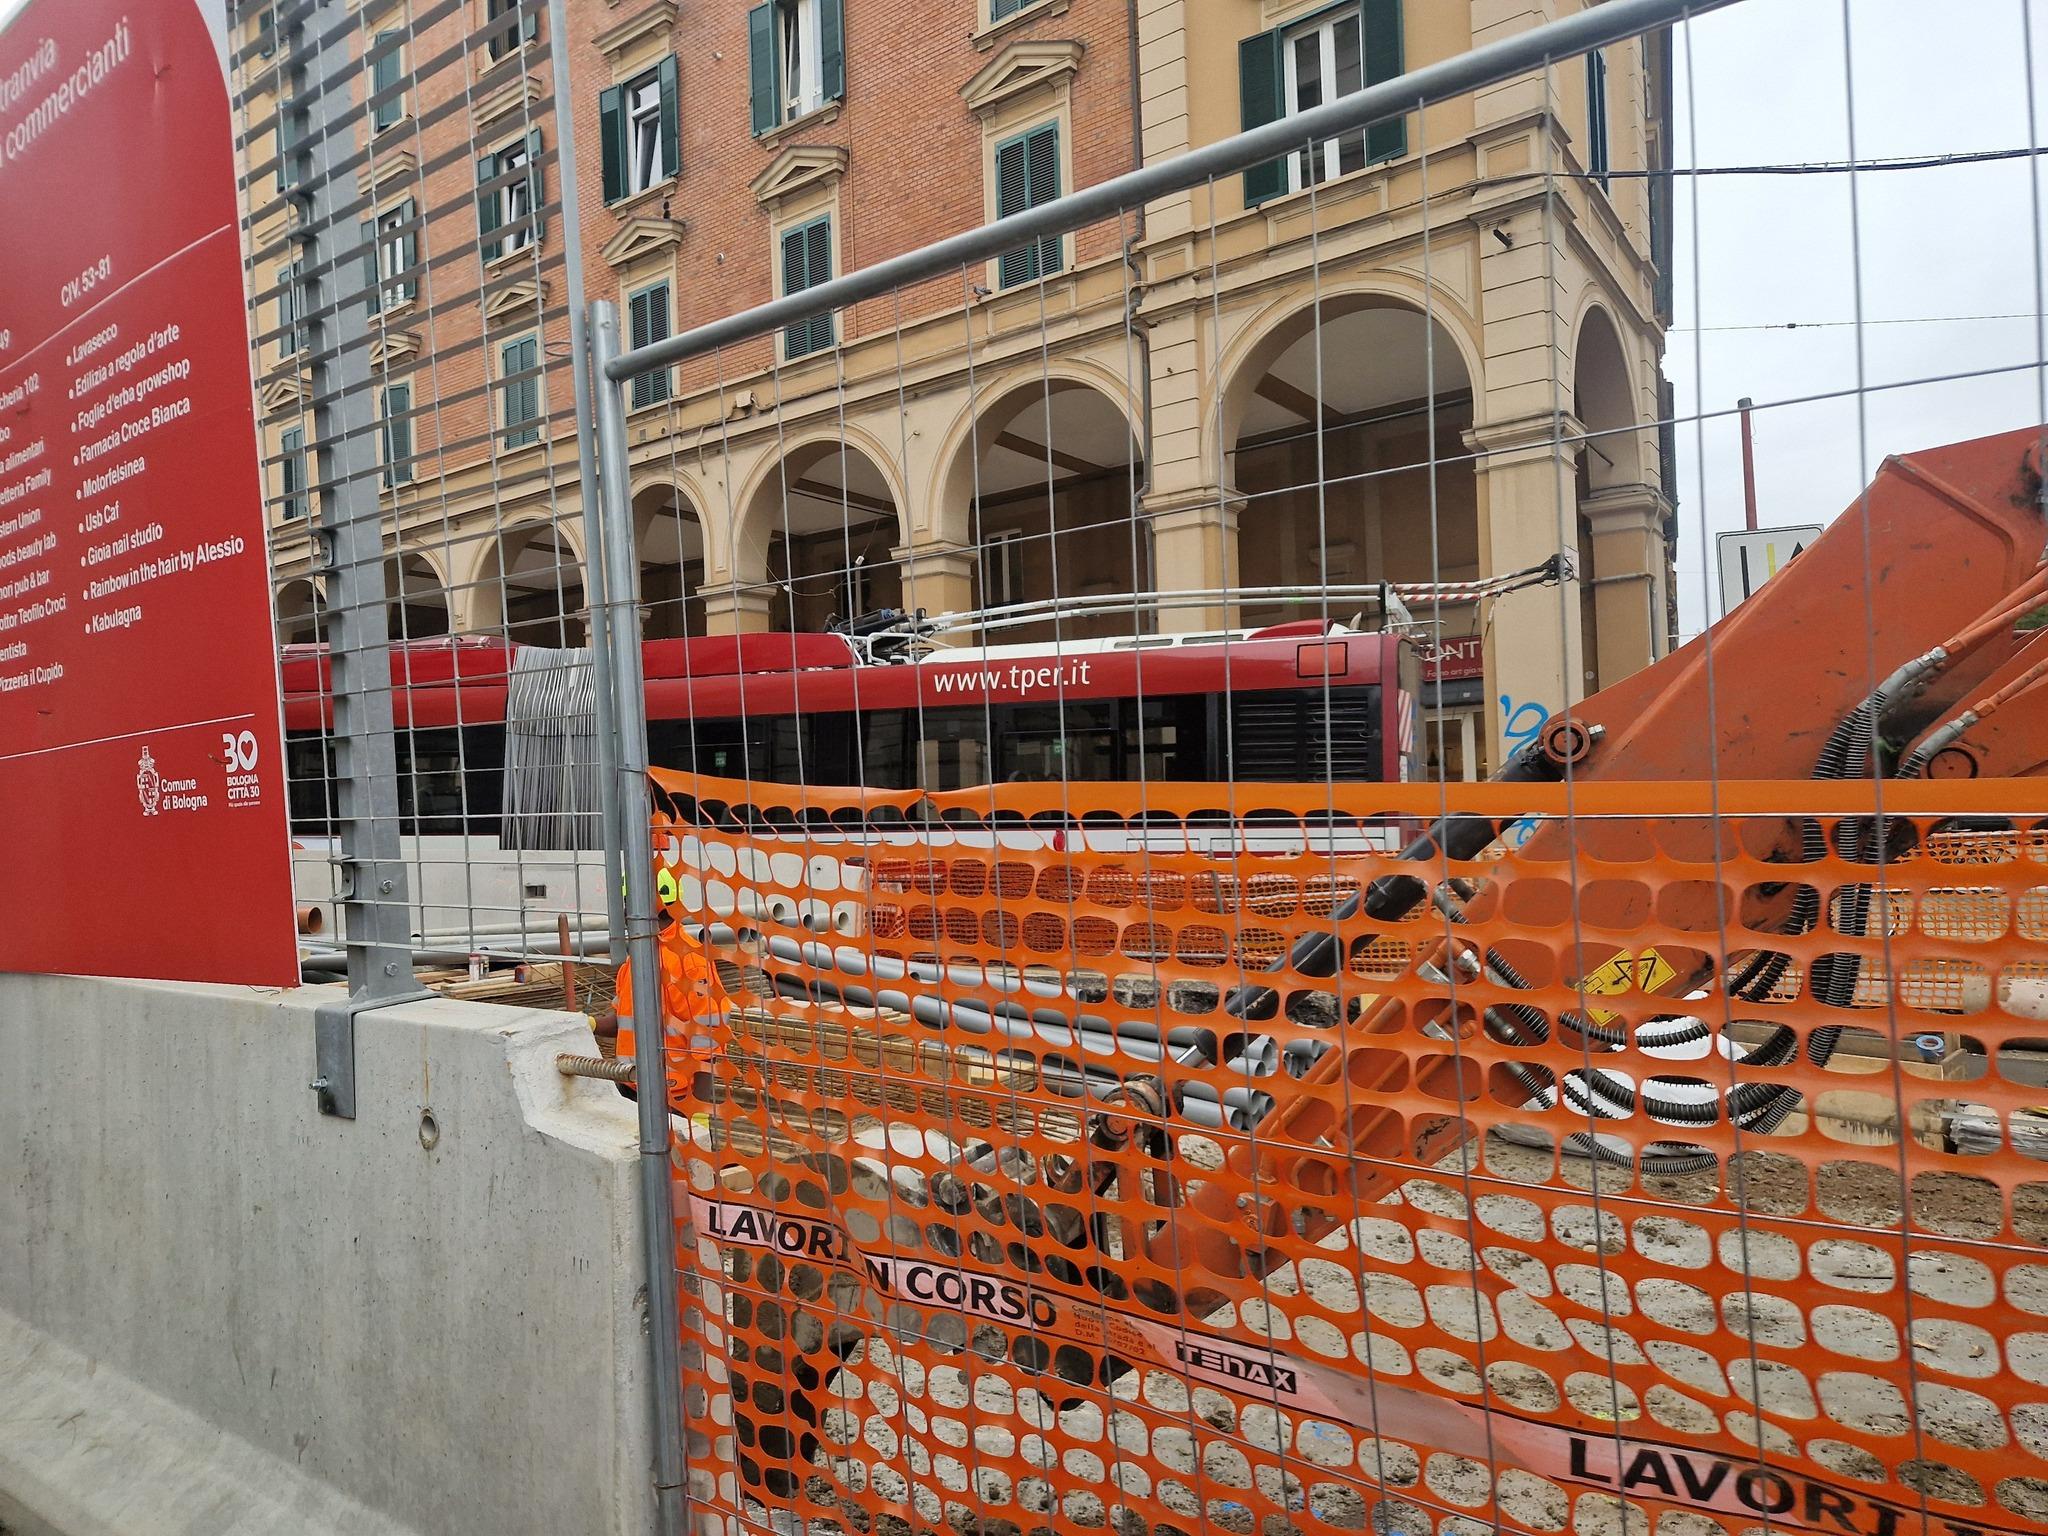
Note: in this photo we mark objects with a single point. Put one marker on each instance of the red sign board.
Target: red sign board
(1445, 661)
(142, 814)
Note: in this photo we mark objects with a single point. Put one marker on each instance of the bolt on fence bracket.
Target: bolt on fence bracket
(334, 1049)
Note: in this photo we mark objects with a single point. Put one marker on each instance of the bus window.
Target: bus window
(953, 747)
(309, 782)
(483, 773)
(885, 749)
(430, 790)
(1171, 746)
(1048, 743)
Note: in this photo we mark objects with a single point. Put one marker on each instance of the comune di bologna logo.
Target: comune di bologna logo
(149, 784)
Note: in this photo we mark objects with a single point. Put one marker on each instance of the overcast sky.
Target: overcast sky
(1772, 86)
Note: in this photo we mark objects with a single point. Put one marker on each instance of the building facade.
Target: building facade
(1430, 351)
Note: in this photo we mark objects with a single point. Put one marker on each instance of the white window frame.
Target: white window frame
(391, 267)
(802, 87)
(1000, 558)
(1329, 151)
(515, 198)
(643, 135)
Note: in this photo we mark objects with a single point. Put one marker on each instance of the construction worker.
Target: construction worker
(694, 1003)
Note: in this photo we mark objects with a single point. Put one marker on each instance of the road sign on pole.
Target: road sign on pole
(1751, 558)
(142, 815)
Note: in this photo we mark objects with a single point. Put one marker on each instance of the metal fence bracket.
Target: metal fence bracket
(334, 1049)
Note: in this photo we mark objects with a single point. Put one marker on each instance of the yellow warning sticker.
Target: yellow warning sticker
(1646, 972)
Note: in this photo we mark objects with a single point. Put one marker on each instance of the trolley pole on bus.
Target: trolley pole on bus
(636, 811)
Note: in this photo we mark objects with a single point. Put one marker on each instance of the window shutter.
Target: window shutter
(409, 255)
(796, 335)
(807, 262)
(671, 147)
(1596, 116)
(1042, 156)
(291, 453)
(818, 263)
(536, 186)
(1013, 194)
(1382, 19)
(397, 434)
(487, 206)
(998, 9)
(611, 133)
(384, 76)
(818, 258)
(1028, 176)
(831, 49)
(372, 275)
(1261, 99)
(529, 26)
(761, 68)
(649, 324)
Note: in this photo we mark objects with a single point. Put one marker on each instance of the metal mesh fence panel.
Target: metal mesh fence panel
(413, 276)
(1127, 1073)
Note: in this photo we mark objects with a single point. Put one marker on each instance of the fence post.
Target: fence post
(596, 578)
(348, 545)
(635, 809)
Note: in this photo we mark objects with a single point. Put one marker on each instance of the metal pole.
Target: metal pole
(1748, 467)
(348, 547)
(657, 1192)
(1594, 27)
(596, 576)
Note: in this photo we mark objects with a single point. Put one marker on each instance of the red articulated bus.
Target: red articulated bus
(1297, 702)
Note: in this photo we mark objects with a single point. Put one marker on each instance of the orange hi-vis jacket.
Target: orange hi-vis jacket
(693, 1005)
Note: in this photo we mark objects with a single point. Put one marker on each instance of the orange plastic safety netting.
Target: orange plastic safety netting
(1078, 1159)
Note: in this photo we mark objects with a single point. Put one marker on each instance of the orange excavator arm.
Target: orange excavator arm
(1914, 602)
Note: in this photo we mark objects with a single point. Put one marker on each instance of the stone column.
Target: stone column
(1534, 657)
(1194, 548)
(1627, 579)
(937, 576)
(731, 610)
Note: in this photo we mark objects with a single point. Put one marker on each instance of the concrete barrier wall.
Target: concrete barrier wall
(221, 1312)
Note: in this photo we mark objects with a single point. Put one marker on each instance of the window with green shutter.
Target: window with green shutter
(1597, 161)
(998, 9)
(291, 471)
(391, 256)
(796, 59)
(289, 307)
(288, 136)
(647, 319)
(397, 434)
(1028, 176)
(1295, 68)
(387, 70)
(519, 391)
(510, 198)
(807, 262)
(638, 128)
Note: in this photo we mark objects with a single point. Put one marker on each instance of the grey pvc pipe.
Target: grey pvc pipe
(1594, 27)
